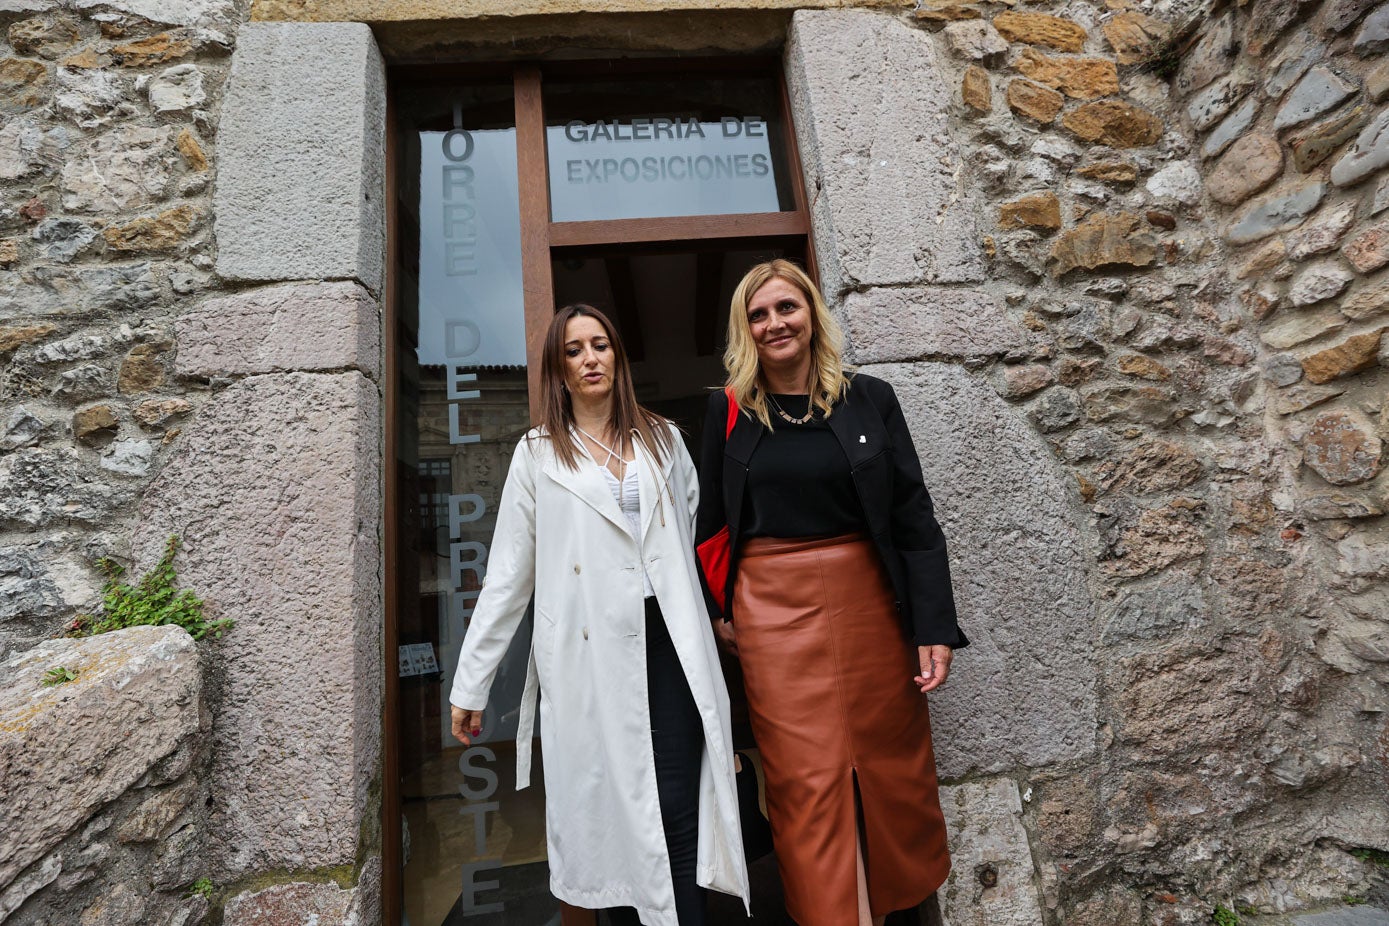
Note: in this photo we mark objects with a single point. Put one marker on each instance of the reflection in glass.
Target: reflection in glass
(474, 847)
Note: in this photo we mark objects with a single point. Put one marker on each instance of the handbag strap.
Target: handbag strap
(732, 412)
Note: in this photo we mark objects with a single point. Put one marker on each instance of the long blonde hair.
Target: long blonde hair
(828, 378)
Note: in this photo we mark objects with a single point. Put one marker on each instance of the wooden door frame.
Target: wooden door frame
(540, 237)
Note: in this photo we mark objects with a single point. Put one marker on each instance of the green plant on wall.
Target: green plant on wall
(203, 887)
(58, 675)
(1224, 916)
(151, 602)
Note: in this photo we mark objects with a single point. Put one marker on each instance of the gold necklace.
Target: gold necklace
(809, 410)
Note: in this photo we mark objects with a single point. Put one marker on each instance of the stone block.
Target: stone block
(1033, 100)
(1018, 556)
(1251, 164)
(1369, 153)
(1276, 212)
(313, 903)
(991, 880)
(871, 104)
(1113, 123)
(1234, 125)
(885, 325)
(1040, 210)
(1315, 144)
(170, 12)
(1317, 282)
(1212, 103)
(1317, 92)
(1155, 613)
(136, 697)
(947, 11)
(1368, 302)
(1302, 327)
(1342, 447)
(975, 89)
(1354, 354)
(1373, 36)
(166, 231)
(975, 41)
(301, 184)
(1135, 37)
(1104, 240)
(275, 491)
(127, 167)
(1266, 21)
(1368, 250)
(1302, 51)
(1078, 78)
(176, 89)
(1322, 234)
(1178, 182)
(78, 292)
(1040, 29)
(295, 326)
(1210, 57)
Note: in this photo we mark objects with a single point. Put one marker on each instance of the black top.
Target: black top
(897, 512)
(799, 480)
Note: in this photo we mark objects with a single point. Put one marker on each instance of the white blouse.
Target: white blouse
(628, 497)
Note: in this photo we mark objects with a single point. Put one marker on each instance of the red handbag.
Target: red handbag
(714, 553)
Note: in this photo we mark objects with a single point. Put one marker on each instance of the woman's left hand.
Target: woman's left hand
(935, 666)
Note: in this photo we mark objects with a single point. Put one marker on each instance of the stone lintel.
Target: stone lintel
(382, 11)
(301, 143)
(275, 329)
(276, 493)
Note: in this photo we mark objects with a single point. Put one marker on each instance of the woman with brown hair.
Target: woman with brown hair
(836, 599)
(596, 521)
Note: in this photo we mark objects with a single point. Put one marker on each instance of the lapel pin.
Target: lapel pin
(862, 439)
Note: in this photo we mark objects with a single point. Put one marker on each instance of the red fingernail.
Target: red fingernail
(477, 730)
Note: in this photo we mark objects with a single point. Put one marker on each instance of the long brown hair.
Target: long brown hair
(557, 409)
(828, 373)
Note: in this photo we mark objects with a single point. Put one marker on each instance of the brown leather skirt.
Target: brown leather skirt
(828, 671)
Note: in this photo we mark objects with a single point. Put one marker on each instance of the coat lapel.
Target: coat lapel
(588, 484)
(653, 483)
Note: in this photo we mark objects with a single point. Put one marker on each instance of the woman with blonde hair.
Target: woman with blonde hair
(834, 592)
(641, 811)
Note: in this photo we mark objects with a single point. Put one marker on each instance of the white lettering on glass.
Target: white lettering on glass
(478, 811)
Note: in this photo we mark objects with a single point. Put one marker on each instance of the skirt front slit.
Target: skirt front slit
(828, 672)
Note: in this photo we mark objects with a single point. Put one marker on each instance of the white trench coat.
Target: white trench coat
(561, 534)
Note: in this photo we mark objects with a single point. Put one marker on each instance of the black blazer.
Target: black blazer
(897, 508)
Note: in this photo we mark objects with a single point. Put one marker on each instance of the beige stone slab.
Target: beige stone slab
(65, 750)
(373, 11)
(275, 492)
(273, 329)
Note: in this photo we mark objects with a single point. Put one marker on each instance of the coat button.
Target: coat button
(585, 633)
(576, 569)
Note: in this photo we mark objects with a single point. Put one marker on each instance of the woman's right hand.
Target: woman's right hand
(727, 639)
(466, 724)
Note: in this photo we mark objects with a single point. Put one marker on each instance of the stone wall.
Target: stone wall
(1122, 271)
(171, 363)
(1123, 264)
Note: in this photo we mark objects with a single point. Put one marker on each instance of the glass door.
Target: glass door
(644, 189)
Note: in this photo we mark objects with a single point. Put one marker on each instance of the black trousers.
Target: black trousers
(677, 737)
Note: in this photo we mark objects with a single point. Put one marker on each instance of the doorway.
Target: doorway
(644, 188)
